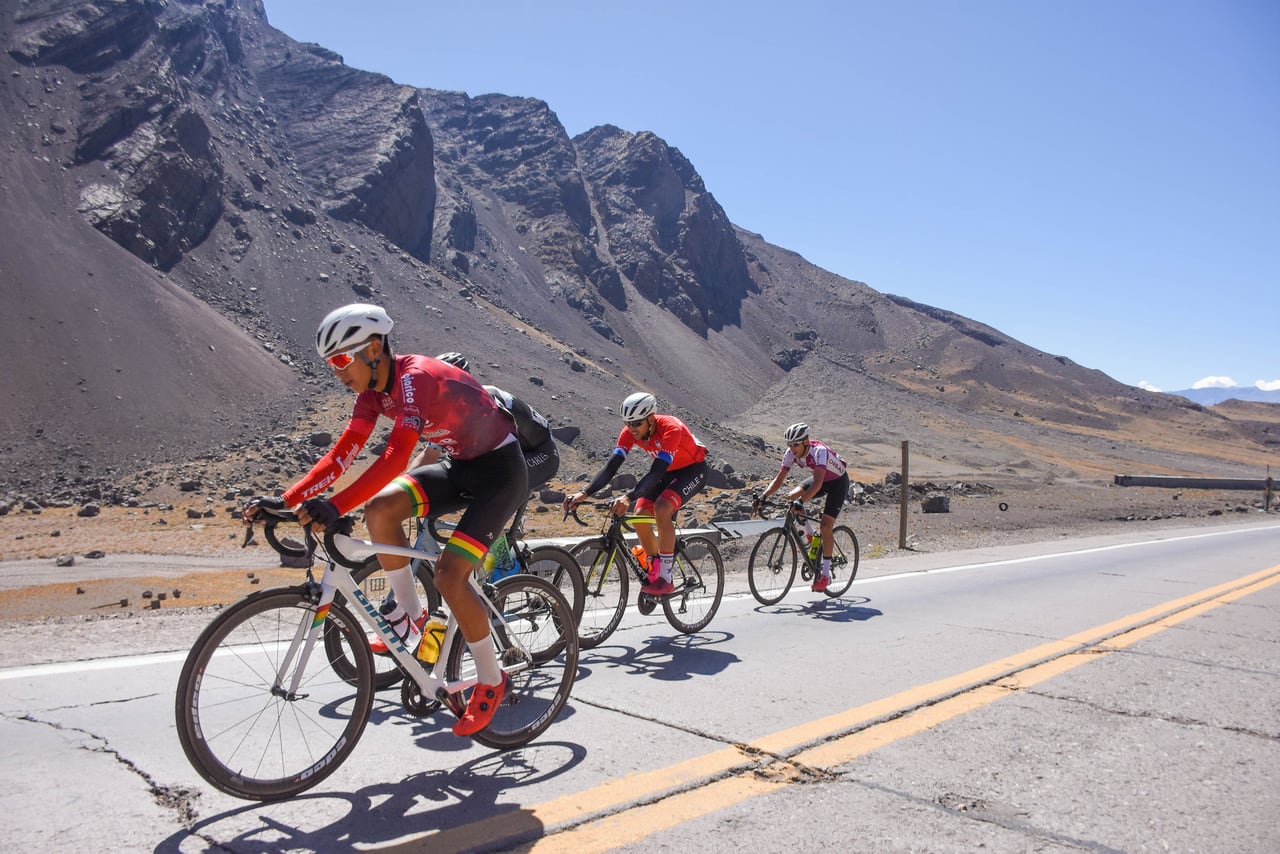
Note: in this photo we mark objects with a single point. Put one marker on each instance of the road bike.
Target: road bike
(263, 713)
(771, 570)
(609, 565)
(552, 563)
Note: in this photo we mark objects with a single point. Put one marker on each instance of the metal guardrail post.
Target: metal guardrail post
(902, 501)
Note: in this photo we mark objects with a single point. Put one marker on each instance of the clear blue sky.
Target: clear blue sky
(1099, 179)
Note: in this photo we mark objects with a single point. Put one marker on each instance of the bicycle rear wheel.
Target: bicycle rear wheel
(557, 565)
(844, 560)
(249, 737)
(698, 576)
(373, 582)
(771, 570)
(537, 646)
(605, 594)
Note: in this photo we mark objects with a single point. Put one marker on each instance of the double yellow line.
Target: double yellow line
(628, 809)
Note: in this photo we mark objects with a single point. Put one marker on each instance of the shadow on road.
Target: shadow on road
(670, 659)
(439, 802)
(844, 610)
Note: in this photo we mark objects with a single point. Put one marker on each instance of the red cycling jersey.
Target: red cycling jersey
(819, 457)
(427, 399)
(671, 440)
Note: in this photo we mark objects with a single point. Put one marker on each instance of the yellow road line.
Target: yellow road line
(607, 815)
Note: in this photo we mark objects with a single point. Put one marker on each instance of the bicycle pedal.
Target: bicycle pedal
(455, 702)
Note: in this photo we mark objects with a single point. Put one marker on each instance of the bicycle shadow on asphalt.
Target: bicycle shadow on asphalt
(666, 658)
(395, 816)
(842, 610)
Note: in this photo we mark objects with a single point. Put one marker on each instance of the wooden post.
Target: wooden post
(902, 502)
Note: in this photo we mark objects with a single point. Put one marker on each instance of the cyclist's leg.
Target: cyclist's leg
(677, 487)
(835, 490)
(498, 484)
(384, 516)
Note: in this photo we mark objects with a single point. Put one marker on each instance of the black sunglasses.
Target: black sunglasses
(634, 423)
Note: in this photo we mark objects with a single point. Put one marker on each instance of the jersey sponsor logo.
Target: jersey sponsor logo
(412, 423)
(320, 486)
(406, 389)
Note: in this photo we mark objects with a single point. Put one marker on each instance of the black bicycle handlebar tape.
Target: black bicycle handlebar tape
(269, 524)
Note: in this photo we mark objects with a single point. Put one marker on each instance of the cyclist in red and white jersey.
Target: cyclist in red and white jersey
(678, 472)
(426, 399)
(830, 477)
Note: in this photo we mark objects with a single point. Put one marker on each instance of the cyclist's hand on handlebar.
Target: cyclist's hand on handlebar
(263, 503)
(318, 512)
(797, 505)
(620, 505)
(571, 503)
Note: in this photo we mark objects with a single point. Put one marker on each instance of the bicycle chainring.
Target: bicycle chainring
(414, 702)
(646, 603)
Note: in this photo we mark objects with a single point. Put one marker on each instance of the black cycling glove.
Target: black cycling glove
(322, 511)
(268, 503)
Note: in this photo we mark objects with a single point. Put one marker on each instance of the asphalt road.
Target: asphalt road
(1113, 694)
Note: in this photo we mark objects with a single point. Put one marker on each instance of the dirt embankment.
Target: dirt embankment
(149, 560)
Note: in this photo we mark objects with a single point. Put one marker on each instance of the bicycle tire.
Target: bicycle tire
(538, 647)
(698, 576)
(844, 560)
(604, 594)
(558, 566)
(386, 671)
(771, 569)
(249, 740)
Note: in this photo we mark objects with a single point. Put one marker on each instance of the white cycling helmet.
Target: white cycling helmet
(637, 406)
(796, 433)
(348, 327)
(456, 359)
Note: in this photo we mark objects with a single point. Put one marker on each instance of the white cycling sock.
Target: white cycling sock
(405, 587)
(664, 569)
(826, 567)
(486, 659)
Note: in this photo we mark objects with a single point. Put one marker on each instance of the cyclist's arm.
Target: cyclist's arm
(819, 478)
(777, 482)
(331, 466)
(607, 471)
(651, 480)
(392, 462)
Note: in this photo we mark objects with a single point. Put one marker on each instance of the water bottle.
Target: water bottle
(815, 546)
(432, 640)
(499, 561)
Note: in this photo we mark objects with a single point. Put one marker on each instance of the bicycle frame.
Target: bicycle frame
(793, 523)
(337, 579)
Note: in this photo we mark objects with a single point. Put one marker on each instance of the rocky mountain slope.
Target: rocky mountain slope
(186, 191)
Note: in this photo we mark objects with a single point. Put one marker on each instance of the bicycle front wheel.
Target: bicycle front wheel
(698, 576)
(605, 594)
(772, 567)
(537, 646)
(844, 560)
(557, 565)
(239, 724)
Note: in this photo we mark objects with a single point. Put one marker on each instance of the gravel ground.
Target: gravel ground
(138, 596)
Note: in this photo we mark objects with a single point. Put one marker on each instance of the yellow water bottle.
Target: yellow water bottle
(815, 546)
(432, 641)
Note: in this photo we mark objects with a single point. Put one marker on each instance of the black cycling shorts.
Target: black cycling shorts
(491, 488)
(678, 486)
(836, 490)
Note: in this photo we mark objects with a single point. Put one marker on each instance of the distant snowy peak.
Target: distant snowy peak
(1215, 394)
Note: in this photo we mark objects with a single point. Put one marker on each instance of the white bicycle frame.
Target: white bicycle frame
(337, 579)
